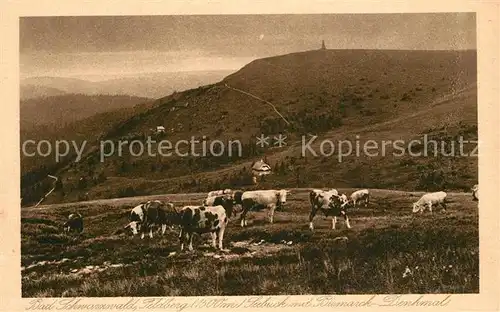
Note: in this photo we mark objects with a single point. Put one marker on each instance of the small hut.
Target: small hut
(160, 129)
(260, 168)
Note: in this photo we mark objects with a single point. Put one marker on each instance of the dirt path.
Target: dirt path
(293, 147)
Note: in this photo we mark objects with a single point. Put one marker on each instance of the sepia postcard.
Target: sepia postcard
(249, 155)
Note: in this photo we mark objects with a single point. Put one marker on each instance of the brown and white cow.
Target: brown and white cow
(330, 204)
(225, 201)
(74, 223)
(475, 192)
(264, 199)
(148, 215)
(228, 201)
(202, 219)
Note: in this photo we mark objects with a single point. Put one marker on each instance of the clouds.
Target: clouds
(173, 43)
(236, 33)
(73, 64)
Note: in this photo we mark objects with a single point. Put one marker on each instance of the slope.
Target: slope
(336, 94)
(71, 107)
(29, 91)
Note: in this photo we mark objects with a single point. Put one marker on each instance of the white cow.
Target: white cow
(264, 199)
(359, 196)
(475, 192)
(430, 199)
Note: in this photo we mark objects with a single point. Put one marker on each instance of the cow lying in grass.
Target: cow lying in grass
(330, 204)
(148, 215)
(430, 199)
(74, 223)
(202, 219)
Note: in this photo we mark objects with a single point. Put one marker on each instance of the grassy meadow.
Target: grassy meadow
(388, 250)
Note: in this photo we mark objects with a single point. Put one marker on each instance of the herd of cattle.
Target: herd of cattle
(212, 216)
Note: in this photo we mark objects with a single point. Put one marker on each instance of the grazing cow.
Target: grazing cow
(150, 214)
(330, 204)
(74, 223)
(202, 219)
(136, 218)
(429, 199)
(475, 192)
(158, 214)
(344, 198)
(255, 200)
(359, 196)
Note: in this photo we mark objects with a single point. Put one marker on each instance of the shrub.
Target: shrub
(127, 192)
(406, 97)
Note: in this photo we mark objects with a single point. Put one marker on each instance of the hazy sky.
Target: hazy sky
(80, 46)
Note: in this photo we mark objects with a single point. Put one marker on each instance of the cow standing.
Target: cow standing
(150, 214)
(330, 204)
(228, 201)
(254, 200)
(202, 219)
(225, 201)
(430, 199)
(475, 192)
(74, 223)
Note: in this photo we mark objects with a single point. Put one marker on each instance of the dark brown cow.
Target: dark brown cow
(154, 213)
(74, 223)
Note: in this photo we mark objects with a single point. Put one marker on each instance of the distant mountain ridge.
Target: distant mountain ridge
(150, 85)
(69, 108)
(29, 91)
